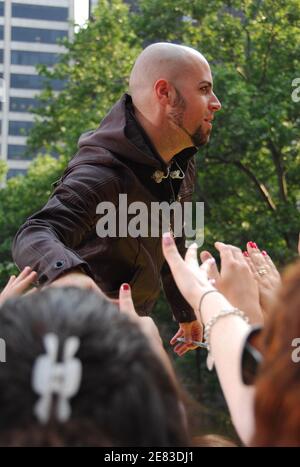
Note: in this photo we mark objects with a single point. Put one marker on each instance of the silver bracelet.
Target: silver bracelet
(209, 325)
(201, 300)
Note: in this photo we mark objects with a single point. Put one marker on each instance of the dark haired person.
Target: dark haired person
(80, 373)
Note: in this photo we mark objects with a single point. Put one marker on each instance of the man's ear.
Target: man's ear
(162, 91)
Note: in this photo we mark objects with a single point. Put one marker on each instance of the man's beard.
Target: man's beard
(199, 137)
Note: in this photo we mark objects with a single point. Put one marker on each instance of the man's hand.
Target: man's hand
(17, 285)
(192, 331)
(76, 279)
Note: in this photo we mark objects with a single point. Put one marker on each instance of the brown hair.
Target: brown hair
(277, 409)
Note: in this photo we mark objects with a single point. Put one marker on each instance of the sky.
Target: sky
(81, 8)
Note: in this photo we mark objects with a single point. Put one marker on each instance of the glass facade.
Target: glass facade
(1, 55)
(21, 57)
(47, 36)
(49, 13)
(1, 33)
(1, 8)
(19, 128)
(22, 104)
(17, 152)
(33, 82)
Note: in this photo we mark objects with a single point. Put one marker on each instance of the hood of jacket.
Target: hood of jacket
(120, 133)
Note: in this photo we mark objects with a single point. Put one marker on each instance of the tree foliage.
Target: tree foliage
(248, 175)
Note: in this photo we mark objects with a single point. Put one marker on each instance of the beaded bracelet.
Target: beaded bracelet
(208, 328)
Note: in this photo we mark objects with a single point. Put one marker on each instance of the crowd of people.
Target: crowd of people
(83, 371)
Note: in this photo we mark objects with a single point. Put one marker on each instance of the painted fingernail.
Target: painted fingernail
(245, 253)
(210, 261)
(167, 239)
(252, 244)
(264, 253)
(125, 287)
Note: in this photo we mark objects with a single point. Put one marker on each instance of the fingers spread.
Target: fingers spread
(23, 274)
(21, 286)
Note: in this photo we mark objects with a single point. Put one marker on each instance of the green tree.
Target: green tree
(249, 175)
(21, 197)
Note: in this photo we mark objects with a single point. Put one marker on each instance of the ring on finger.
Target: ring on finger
(262, 271)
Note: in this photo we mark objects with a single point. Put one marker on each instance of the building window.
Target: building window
(1, 33)
(22, 104)
(1, 8)
(18, 152)
(19, 128)
(1, 55)
(14, 172)
(47, 36)
(20, 57)
(48, 13)
(34, 82)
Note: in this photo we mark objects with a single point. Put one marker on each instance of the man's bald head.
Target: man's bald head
(161, 61)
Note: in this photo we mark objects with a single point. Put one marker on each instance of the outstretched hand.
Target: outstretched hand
(265, 274)
(193, 282)
(79, 279)
(192, 331)
(18, 285)
(146, 323)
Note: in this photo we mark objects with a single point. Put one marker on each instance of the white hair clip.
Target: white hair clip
(50, 377)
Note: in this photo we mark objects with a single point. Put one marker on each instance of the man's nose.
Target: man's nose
(215, 104)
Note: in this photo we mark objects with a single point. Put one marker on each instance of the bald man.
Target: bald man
(144, 149)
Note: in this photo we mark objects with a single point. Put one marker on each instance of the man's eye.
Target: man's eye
(205, 90)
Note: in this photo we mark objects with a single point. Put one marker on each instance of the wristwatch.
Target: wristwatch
(251, 356)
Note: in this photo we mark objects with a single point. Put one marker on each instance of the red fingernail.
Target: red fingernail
(252, 244)
(126, 287)
(264, 253)
(245, 253)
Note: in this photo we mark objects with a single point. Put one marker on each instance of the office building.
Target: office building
(29, 30)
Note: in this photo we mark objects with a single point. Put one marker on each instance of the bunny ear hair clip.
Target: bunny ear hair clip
(50, 377)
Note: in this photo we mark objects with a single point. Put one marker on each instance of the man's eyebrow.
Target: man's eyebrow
(206, 82)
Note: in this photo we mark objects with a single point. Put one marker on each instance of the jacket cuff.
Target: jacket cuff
(61, 266)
